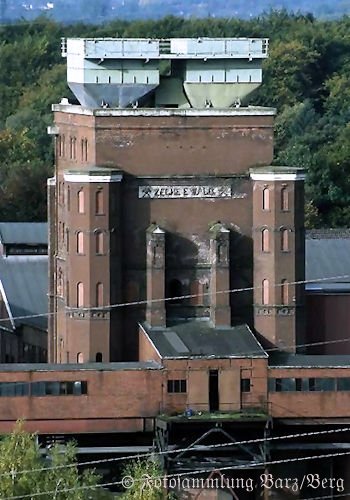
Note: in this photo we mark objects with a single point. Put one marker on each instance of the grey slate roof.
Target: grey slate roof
(199, 339)
(26, 233)
(327, 254)
(278, 359)
(25, 282)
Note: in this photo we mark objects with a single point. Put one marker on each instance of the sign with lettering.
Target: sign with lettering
(188, 192)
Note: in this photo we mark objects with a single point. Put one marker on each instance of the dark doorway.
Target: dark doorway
(213, 390)
(99, 357)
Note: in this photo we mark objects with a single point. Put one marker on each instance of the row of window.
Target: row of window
(283, 292)
(80, 302)
(9, 389)
(61, 148)
(309, 384)
(284, 240)
(284, 199)
(132, 293)
(180, 385)
(64, 198)
(99, 243)
(64, 239)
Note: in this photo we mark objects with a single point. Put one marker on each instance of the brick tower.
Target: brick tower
(279, 255)
(153, 197)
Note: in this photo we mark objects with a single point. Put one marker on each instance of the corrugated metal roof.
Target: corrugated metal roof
(200, 339)
(27, 233)
(25, 281)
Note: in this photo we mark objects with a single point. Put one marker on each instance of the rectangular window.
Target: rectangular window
(177, 386)
(325, 384)
(57, 388)
(245, 385)
(10, 389)
(343, 384)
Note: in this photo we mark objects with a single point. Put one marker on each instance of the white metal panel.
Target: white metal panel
(75, 46)
(205, 46)
(237, 47)
(103, 48)
(178, 45)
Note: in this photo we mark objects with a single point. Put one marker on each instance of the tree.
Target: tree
(24, 473)
(143, 480)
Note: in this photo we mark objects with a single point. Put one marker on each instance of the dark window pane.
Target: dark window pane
(288, 384)
(177, 386)
(21, 389)
(37, 389)
(272, 384)
(278, 384)
(52, 388)
(324, 384)
(245, 385)
(343, 384)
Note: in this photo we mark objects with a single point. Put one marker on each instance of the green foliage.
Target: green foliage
(143, 480)
(23, 472)
(306, 77)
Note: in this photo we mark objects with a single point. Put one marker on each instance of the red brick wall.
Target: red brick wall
(197, 372)
(116, 400)
(327, 404)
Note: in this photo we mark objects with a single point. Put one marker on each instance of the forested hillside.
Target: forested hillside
(307, 78)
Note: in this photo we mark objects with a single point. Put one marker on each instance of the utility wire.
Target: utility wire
(165, 477)
(167, 299)
(180, 450)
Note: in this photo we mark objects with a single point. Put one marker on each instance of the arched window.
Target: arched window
(80, 357)
(99, 202)
(197, 289)
(80, 242)
(63, 145)
(68, 198)
(284, 240)
(265, 240)
(99, 357)
(99, 242)
(86, 150)
(265, 292)
(99, 294)
(67, 293)
(67, 240)
(81, 201)
(80, 294)
(74, 148)
(60, 282)
(284, 199)
(175, 290)
(266, 199)
(284, 292)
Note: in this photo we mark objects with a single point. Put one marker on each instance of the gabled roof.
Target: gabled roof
(198, 339)
(24, 280)
(25, 233)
